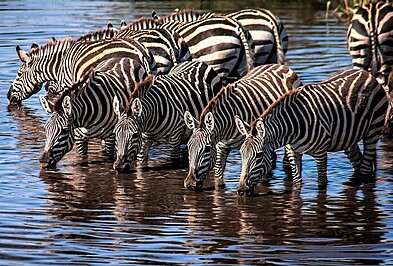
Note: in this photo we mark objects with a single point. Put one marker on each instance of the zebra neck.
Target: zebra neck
(282, 131)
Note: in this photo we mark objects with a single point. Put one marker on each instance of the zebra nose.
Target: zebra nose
(192, 184)
(47, 161)
(244, 190)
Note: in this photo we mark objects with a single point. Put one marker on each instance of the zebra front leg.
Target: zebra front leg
(81, 141)
(143, 155)
(221, 160)
(288, 151)
(109, 146)
(295, 163)
(321, 160)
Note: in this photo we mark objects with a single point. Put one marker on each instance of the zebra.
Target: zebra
(76, 58)
(220, 42)
(86, 107)
(266, 29)
(47, 63)
(369, 39)
(215, 134)
(315, 119)
(156, 108)
(167, 47)
(268, 33)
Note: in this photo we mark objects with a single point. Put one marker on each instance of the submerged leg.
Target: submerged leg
(321, 160)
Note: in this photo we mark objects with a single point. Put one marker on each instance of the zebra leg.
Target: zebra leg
(109, 146)
(321, 160)
(295, 161)
(288, 151)
(355, 157)
(81, 142)
(143, 155)
(369, 162)
(219, 168)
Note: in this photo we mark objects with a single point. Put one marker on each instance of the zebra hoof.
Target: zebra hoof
(354, 182)
(197, 187)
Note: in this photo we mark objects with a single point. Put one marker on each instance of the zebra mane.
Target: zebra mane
(99, 35)
(275, 103)
(138, 88)
(52, 43)
(182, 13)
(76, 86)
(213, 103)
(142, 23)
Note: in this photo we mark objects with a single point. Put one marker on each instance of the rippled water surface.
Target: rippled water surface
(87, 214)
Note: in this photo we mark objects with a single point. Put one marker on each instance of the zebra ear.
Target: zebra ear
(45, 104)
(242, 126)
(116, 106)
(34, 45)
(209, 121)
(136, 107)
(191, 122)
(66, 104)
(23, 56)
(260, 127)
(123, 24)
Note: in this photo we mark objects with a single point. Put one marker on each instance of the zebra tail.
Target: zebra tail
(247, 41)
(280, 49)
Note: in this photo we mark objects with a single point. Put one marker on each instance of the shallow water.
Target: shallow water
(88, 214)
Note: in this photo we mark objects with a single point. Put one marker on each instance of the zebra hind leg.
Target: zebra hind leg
(369, 161)
(355, 157)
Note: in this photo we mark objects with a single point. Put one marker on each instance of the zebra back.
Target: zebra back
(268, 33)
(167, 47)
(221, 43)
(186, 15)
(369, 39)
(248, 97)
(84, 55)
(143, 23)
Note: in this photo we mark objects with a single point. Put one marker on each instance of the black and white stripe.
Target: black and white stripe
(370, 39)
(86, 108)
(268, 33)
(220, 42)
(156, 111)
(215, 135)
(315, 119)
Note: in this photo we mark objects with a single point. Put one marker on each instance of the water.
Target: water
(87, 214)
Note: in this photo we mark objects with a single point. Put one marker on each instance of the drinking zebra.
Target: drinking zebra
(370, 40)
(65, 61)
(156, 111)
(86, 107)
(215, 135)
(332, 115)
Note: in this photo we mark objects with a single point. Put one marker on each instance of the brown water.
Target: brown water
(87, 214)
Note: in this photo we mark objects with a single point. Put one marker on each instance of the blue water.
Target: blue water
(88, 214)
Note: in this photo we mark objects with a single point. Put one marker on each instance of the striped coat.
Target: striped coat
(315, 119)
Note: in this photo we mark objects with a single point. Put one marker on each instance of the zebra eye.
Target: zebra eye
(208, 148)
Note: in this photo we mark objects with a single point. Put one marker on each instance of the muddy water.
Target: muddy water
(87, 214)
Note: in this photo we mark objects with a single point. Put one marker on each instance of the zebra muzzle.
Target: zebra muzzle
(47, 161)
(191, 183)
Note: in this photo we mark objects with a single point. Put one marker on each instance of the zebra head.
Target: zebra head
(256, 156)
(27, 81)
(201, 150)
(59, 131)
(128, 134)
